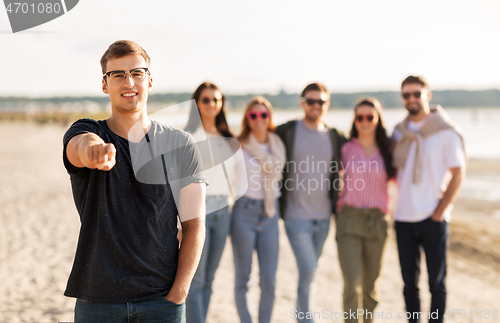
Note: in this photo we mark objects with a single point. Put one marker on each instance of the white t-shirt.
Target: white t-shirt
(439, 152)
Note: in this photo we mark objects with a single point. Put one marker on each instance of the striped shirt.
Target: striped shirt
(365, 179)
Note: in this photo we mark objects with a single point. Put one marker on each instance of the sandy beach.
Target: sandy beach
(39, 228)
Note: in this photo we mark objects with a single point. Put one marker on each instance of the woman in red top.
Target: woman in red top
(362, 220)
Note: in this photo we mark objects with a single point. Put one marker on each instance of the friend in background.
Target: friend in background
(309, 187)
(208, 125)
(430, 157)
(363, 206)
(254, 222)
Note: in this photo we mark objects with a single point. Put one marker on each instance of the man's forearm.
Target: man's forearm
(193, 239)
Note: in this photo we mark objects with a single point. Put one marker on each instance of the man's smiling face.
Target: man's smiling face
(416, 99)
(128, 96)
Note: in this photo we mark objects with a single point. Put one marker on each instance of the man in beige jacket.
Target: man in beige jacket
(430, 158)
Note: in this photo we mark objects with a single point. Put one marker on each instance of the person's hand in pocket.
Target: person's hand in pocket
(437, 217)
(174, 297)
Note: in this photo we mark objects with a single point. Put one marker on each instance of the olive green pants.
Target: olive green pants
(361, 238)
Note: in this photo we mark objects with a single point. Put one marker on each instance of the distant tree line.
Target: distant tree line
(282, 100)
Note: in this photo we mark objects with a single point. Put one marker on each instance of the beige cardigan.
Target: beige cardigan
(438, 121)
(271, 164)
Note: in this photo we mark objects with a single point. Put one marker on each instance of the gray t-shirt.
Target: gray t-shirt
(309, 175)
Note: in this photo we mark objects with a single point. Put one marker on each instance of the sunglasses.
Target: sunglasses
(311, 102)
(361, 117)
(407, 95)
(207, 100)
(254, 114)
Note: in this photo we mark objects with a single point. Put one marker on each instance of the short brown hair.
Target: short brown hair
(245, 127)
(121, 48)
(315, 87)
(415, 79)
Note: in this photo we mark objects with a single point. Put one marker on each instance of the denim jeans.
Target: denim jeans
(156, 310)
(307, 238)
(252, 229)
(217, 229)
(434, 238)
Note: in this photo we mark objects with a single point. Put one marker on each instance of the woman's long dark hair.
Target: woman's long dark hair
(194, 120)
(384, 143)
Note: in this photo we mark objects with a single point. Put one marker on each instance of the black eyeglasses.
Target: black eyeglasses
(137, 74)
(206, 100)
(311, 102)
(407, 95)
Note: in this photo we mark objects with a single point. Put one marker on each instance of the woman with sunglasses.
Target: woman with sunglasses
(207, 123)
(363, 206)
(254, 223)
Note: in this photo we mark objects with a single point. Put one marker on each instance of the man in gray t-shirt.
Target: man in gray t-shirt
(309, 187)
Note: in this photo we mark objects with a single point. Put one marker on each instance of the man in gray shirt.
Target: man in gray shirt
(309, 187)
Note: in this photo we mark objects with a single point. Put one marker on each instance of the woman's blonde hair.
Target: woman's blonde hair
(245, 127)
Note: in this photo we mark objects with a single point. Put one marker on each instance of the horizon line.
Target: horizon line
(235, 93)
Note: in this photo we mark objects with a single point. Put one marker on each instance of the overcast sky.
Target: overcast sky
(261, 46)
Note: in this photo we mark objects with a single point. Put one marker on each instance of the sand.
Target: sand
(39, 228)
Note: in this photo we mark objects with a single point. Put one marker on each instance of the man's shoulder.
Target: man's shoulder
(175, 142)
(285, 126)
(82, 126)
(446, 136)
(171, 133)
(88, 123)
(336, 133)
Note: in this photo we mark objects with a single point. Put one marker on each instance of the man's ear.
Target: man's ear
(104, 86)
(429, 95)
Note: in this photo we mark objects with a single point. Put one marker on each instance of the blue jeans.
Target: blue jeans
(252, 229)
(307, 238)
(156, 310)
(434, 238)
(217, 229)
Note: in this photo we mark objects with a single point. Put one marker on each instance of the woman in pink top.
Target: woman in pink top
(362, 220)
